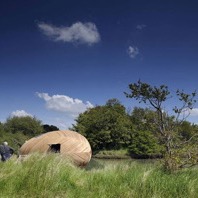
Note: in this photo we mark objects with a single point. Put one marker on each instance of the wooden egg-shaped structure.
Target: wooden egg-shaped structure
(68, 143)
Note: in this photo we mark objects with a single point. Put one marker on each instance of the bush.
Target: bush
(144, 145)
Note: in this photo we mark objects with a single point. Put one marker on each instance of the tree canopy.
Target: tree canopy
(27, 125)
(105, 126)
(16, 130)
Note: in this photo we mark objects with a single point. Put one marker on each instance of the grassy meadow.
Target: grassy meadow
(53, 177)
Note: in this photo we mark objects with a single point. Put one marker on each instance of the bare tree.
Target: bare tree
(177, 153)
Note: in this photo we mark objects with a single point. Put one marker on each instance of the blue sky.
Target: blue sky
(58, 58)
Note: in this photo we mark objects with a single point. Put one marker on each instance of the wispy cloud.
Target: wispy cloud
(62, 123)
(82, 33)
(20, 113)
(66, 104)
(132, 51)
(140, 27)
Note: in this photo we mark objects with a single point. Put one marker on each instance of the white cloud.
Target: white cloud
(62, 103)
(132, 51)
(84, 33)
(20, 113)
(140, 27)
(194, 112)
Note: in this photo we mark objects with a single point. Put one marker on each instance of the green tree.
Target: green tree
(48, 128)
(144, 145)
(27, 125)
(187, 130)
(143, 119)
(167, 127)
(145, 141)
(16, 130)
(105, 127)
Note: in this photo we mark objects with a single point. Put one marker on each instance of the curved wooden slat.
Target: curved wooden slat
(72, 145)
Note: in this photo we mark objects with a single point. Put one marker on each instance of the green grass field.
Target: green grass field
(51, 176)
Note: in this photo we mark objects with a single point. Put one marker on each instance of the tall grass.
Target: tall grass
(51, 176)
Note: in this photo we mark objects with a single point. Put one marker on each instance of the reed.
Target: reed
(52, 176)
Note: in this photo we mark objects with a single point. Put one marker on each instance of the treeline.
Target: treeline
(144, 132)
(16, 130)
(107, 127)
(110, 126)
